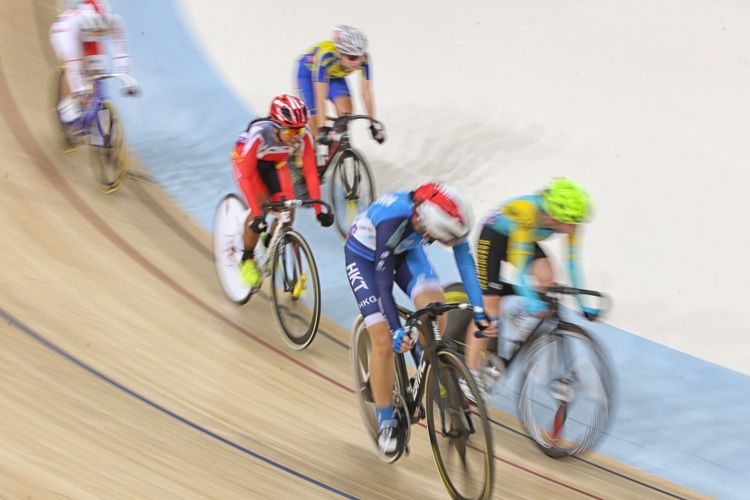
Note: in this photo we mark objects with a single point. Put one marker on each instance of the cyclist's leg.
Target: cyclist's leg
(68, 51)
(252, 187)
(492, 248)
(361, 274)
(541, 268)
(338, 93)
(416, 276)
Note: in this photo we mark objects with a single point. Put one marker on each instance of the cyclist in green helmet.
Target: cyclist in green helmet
(510, 233)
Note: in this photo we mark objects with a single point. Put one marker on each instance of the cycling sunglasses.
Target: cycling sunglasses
(293, 132)
(353, 58)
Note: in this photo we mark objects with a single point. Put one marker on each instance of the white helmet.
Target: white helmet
(94, 15)
(442, 211)
(349, 40)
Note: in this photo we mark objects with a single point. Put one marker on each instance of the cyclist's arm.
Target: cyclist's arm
(468, 272)
(120, 57)
(246, 173)
(322, 63)
(367, 96)
(310, 169)
(571, 257)
(385, 265)
(320, 89)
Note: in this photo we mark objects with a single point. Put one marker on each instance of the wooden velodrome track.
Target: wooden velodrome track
(126, 373)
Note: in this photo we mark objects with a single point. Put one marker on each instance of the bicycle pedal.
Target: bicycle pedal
(421, 412)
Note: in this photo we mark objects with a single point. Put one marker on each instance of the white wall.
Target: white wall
(645, 103)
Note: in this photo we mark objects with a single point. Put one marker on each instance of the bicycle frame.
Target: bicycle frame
(94, 105)
(554, 320)
(413, 391)
(283, 214)
(343, 143)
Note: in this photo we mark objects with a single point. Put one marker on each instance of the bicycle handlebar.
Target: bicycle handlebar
(294, 204)
(341, 122)
(569, 290)
(437, 309)
(125, 79)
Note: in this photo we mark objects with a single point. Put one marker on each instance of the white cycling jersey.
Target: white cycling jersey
(81, 50)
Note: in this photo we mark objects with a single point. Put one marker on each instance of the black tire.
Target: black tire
(466, 460)
(110, 154)
(287, 269)
(361, 351)
(551, 394)
(351, 189)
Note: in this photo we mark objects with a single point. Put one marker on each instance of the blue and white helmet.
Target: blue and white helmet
(349, 40)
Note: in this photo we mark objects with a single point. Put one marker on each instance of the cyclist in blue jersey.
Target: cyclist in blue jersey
(386, 244)
(511, 233)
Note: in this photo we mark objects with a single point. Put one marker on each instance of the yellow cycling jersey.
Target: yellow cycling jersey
(519, 220)
(324, 62)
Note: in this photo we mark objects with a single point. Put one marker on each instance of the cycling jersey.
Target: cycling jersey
(81, 50)
(383, 246)
(322, 63)
(260, 165)
(518, 220)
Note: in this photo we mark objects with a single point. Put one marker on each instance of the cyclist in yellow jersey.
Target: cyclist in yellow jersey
(322, 76)
(511, 234)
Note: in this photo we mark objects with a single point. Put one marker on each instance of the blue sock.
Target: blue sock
(387, 413)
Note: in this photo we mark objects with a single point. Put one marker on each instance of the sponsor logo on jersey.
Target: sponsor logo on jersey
(355, 277)
(369, 300)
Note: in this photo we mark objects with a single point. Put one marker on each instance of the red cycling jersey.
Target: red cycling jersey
(261, 168)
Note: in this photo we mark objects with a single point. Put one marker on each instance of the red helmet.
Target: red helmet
(288, 111)
(442, 211)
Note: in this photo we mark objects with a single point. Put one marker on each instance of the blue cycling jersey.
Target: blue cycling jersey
(384, 233)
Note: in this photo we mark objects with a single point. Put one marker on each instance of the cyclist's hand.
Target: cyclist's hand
(131, 91)
(325, 219)
(324, 136)
(402, 341)
(378, 132)
(538, 308)
(487, 325)
(259, 225)
(591, 313)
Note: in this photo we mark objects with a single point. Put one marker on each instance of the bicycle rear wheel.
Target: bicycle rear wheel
(107, 143)
(565, 397)
(459, 431)
(352, 188)
(228, 247)
(361, 353)
(296, 291)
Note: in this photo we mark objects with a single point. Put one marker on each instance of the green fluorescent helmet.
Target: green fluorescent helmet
(565, 201)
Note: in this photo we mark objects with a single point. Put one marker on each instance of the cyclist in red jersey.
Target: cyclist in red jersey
(260, 161)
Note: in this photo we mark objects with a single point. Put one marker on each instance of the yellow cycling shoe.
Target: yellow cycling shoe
(299, 287)
(250, 274)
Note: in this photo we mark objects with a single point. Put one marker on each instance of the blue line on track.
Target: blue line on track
(93, 371)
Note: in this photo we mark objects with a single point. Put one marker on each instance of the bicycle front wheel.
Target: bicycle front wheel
(352, 188)
(107, 143)
(459, 430)
(296, 291)
(565, 397)
(361, 354)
